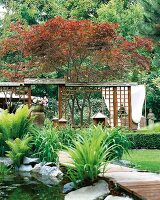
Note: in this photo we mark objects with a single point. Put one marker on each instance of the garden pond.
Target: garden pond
(24, 186)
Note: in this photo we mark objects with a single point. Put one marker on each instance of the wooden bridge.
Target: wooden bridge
(141, 185)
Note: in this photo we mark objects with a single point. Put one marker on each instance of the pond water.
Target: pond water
(18, 187)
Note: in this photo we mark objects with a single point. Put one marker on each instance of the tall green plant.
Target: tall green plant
(89, 155)
(67, 135)
(19, 149)
(46, 143)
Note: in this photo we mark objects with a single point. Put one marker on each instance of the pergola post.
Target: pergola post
(129, 107)
(29, 96)
(115, 109)
(60, 101)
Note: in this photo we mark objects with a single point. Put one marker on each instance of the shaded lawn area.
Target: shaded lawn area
(145, 159)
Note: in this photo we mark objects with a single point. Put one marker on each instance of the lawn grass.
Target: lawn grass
(145, 159)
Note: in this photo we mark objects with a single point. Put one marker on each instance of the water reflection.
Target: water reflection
(16, 187)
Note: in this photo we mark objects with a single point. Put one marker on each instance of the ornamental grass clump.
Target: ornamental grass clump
(90, 155)
(46, 143)
(67, 136)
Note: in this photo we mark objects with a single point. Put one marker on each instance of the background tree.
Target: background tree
(76, 48)
(130, 16)
(152, 17)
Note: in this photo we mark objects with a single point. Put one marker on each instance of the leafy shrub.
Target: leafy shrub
(118, 138)
(144, 140)
(67, 135)
(14, 126)
(89, 155)
(19, 149)
(46, 143)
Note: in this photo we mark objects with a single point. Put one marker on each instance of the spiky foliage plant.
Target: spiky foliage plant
(90, 154)
(18, 149)
(67, 135)
(46, 143)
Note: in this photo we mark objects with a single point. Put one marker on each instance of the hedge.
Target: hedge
(144, 141)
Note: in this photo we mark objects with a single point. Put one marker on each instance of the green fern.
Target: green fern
(19, 149)
(21, 122)
(14, 126)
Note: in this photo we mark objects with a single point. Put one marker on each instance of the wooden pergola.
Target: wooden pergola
(116, 96)
(13, 92)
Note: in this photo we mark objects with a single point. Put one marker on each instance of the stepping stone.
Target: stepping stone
(98, 190)
(110, 197)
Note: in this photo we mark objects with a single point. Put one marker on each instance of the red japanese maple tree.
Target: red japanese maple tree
(81, 50)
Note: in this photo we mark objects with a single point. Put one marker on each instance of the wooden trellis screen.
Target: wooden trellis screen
(117, 98)
(118, 102)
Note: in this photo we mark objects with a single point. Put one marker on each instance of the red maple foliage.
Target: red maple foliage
(73, 47)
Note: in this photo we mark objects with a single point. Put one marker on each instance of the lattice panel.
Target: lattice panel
(122, 106)
(117, 100)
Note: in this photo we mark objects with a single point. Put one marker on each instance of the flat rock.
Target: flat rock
(27, 160)
(121, 177)
(25, 168)
(110, 197)
(6, 161)
(98, 191)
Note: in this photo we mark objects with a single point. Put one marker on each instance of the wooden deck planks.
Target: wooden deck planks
(147, 190)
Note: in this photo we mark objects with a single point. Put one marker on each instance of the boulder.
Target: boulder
(46, 170)
(50, 171)
(110, 197)
(6, 161)
(37, 168)
(47, 180)
(30, 161)
(25, 168)
(50, 164)
(97, 191)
